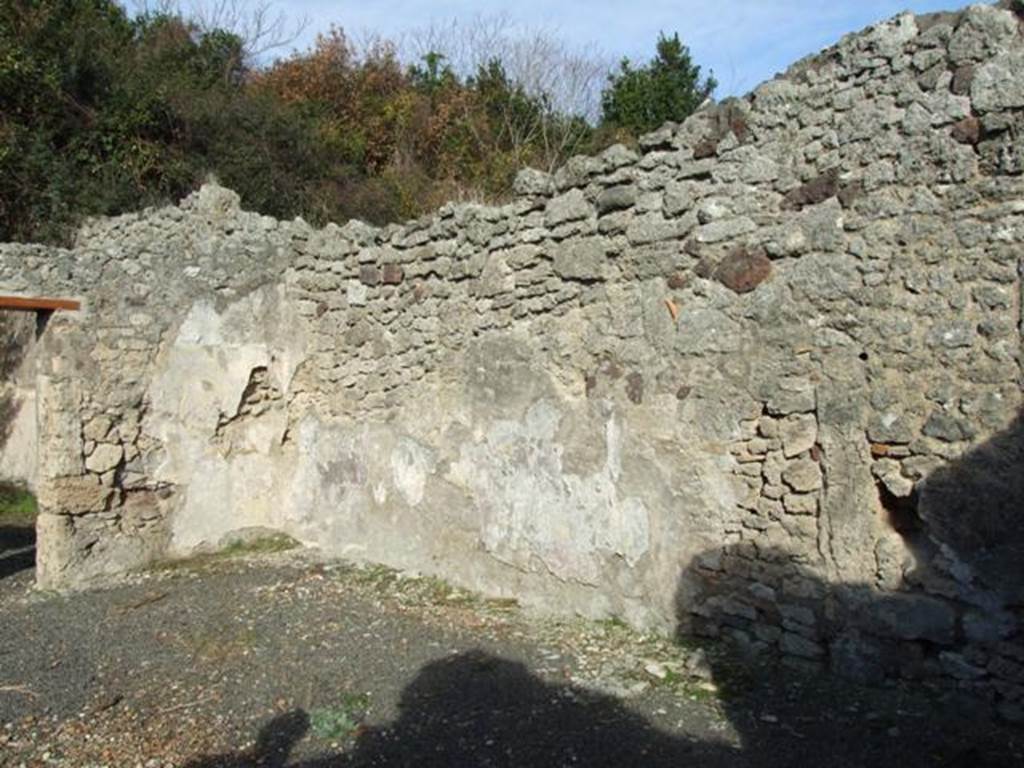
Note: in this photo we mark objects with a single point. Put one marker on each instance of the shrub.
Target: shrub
(668, 88)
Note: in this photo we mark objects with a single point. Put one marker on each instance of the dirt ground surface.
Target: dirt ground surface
(283, 660)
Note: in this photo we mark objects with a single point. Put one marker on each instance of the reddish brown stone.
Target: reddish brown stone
(968, 131)
(393, 274)
(635, 388)
(610, 369)
(738, 126)
(962, 80)
(704, 149)
(369, 275)
(678, 280)
(814, 191)
(848, 193)
(705, 267)
(743, 270)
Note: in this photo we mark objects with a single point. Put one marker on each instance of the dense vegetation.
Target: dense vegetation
(102, 111)
(668, 88)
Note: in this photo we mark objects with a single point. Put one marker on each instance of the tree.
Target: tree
(540, 94)
(102, 111)
(433, 75)
(668, 88)
(258, 26)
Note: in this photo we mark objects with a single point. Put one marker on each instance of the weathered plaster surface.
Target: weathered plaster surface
(223, 453)
(18, 438)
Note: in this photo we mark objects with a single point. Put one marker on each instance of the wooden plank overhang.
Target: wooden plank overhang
(33, 304)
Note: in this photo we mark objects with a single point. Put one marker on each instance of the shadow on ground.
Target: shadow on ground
(474, 709)
(17, 549)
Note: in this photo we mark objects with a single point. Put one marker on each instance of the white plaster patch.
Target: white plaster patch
(410, 465)
(533, 511)
(628, 533)
(201, 327)
(18, 453)
(199, 383)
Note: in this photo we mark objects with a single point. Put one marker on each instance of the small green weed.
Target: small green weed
(340, 721)
(672, 679)
(502, 604)
(440, 592)
(430, 590)
(17, 506)
(702, 692)
(378, 575)
(278, 542)
(614, 624)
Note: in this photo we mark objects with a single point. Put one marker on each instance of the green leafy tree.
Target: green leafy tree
(56, 67)
(668, 88)
(103, 112)
(434, 74)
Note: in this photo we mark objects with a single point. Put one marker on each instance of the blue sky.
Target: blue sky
(744, 41)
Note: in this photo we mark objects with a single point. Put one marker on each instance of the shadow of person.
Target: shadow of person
(273, 746)
(834, 657)
(475, 709)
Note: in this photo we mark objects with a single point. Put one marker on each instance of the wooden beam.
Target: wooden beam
(24, 304)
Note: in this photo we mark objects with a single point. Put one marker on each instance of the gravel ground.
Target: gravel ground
(282, 660)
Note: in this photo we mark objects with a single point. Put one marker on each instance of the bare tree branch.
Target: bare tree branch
(261, 28)
(534, 58)
(567, 80)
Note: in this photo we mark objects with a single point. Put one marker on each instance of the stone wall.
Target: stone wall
(760, 378)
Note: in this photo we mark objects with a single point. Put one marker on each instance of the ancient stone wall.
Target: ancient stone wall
(760, 378)
(104, 510)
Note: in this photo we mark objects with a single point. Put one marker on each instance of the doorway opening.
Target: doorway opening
(18, 511)
(23, 321)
